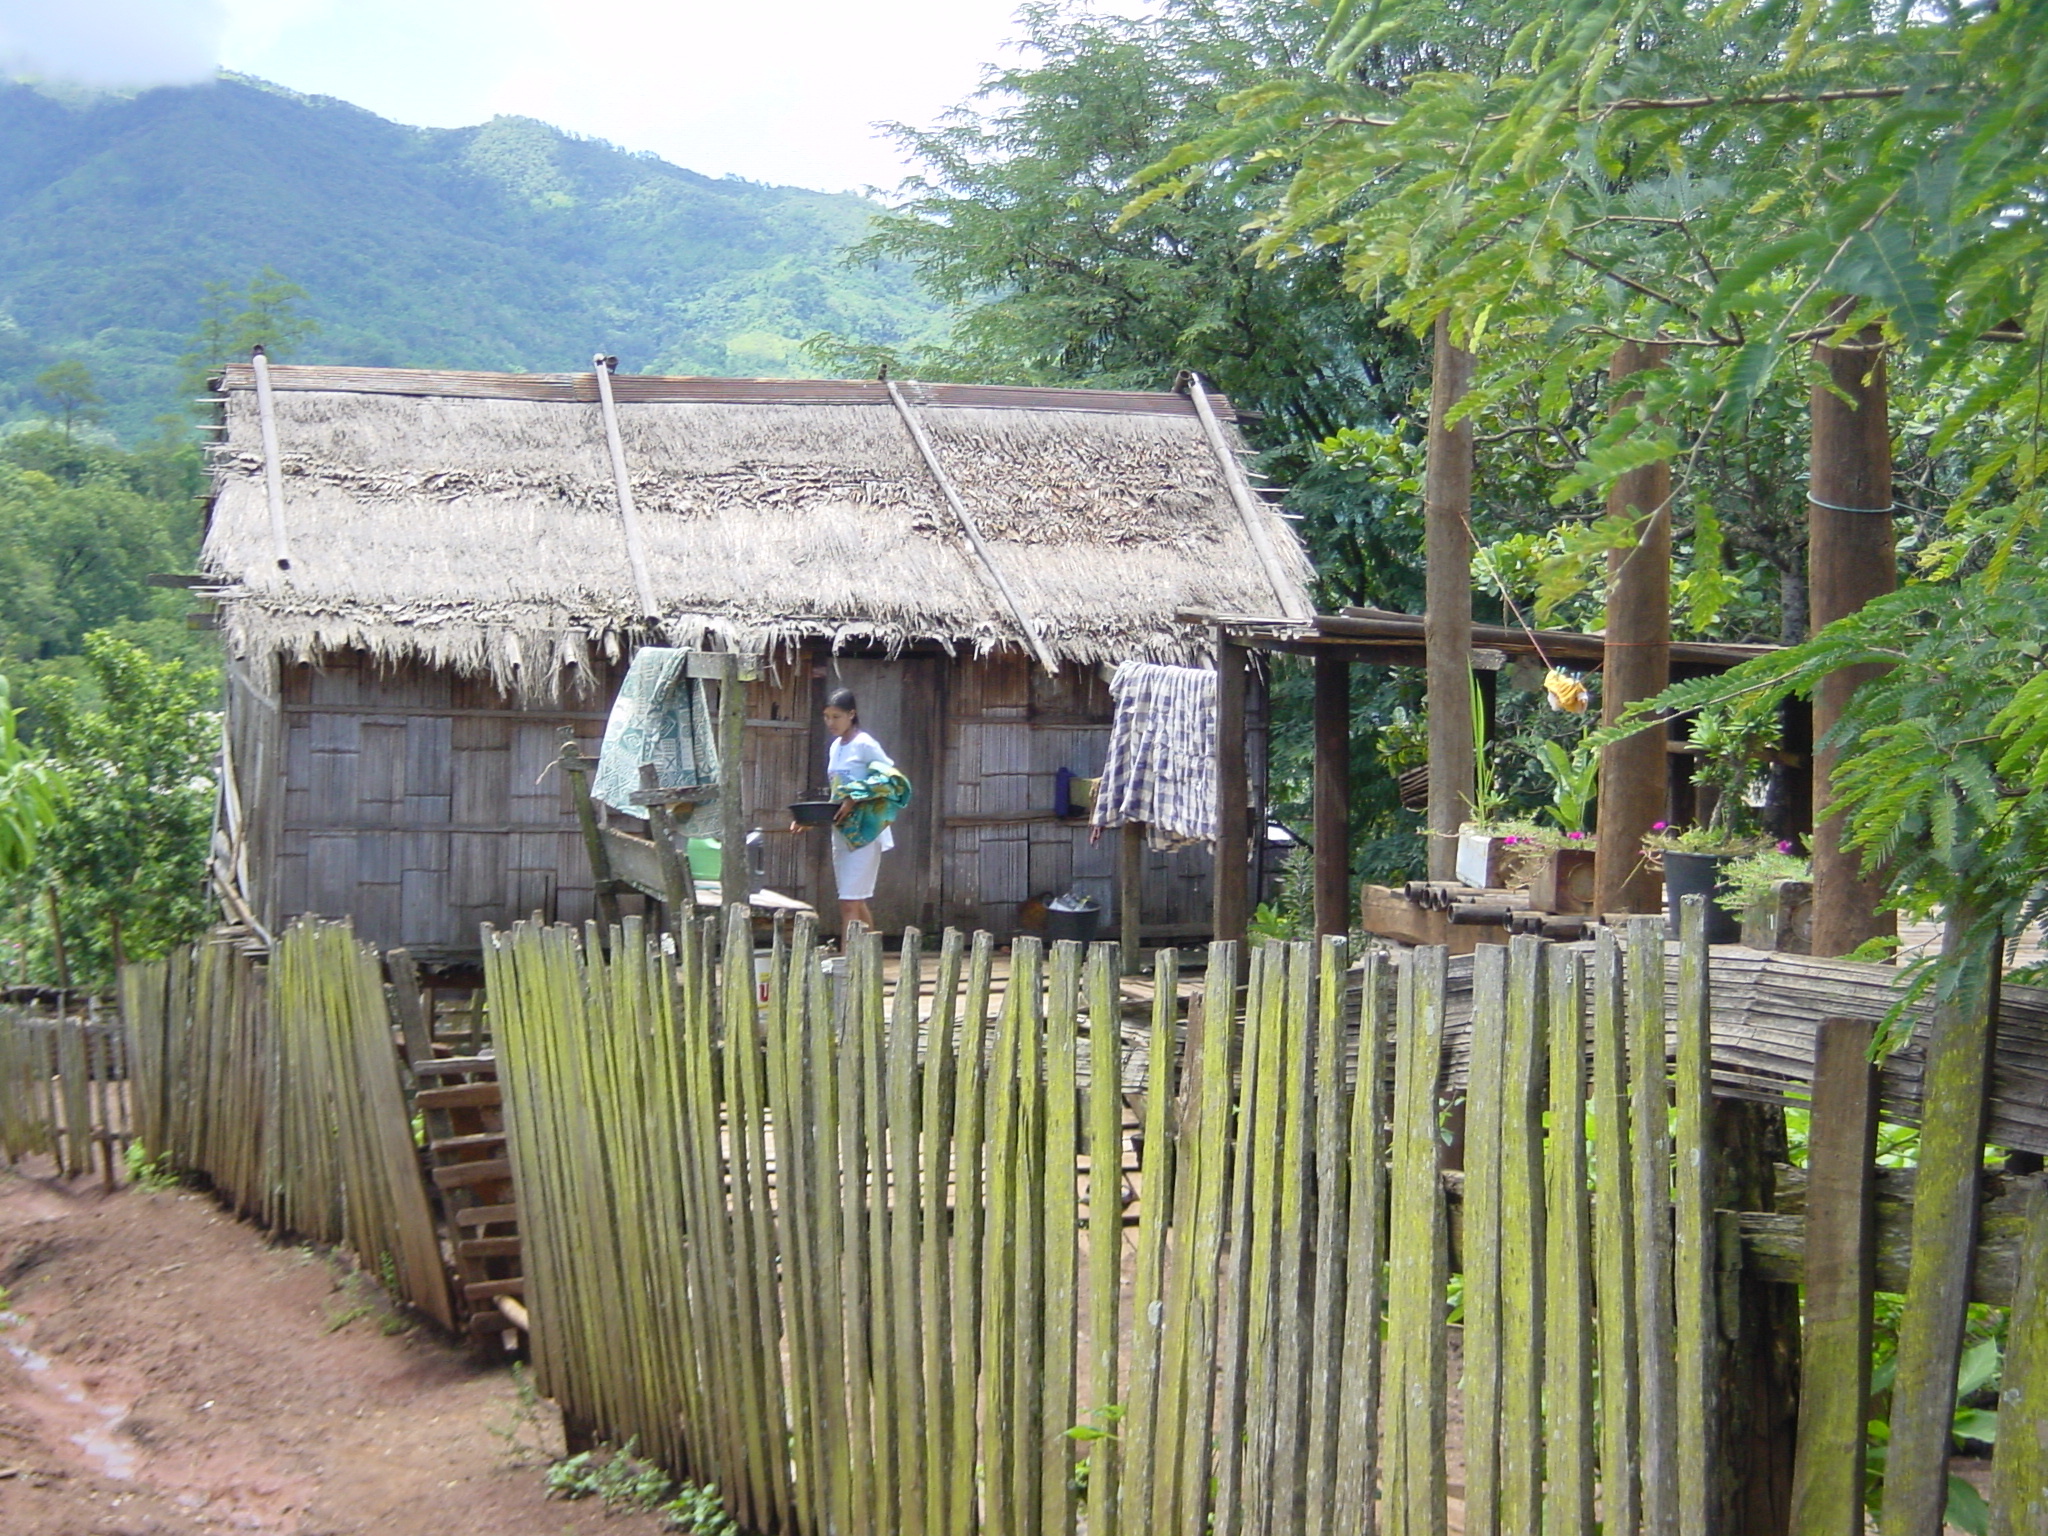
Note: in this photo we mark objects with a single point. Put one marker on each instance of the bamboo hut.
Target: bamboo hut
(422, 577)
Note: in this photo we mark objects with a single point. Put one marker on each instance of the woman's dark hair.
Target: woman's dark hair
(842, 698)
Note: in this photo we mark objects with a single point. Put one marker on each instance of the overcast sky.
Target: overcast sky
(785, 92)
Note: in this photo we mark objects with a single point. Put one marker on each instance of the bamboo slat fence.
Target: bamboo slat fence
(1004, 1266)
(280, 1084)
(64, 1088)
(996, 1255)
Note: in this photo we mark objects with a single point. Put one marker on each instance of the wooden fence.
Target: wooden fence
(877, 1262)
(280, 1084)
(64, 1088)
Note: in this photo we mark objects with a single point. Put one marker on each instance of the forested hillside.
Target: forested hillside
(511, 245)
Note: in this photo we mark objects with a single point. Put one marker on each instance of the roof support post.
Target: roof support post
(1130, 893)
(989, 568)
(1447, 604)
(735, 885)
(273, 471)
(1334, 896)
(629, 515)
(1249, 507)
(1850, 558)
(1230, 900)
(1633, 772)
(605, 889)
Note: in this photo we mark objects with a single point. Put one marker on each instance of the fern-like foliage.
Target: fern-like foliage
(1942, 768)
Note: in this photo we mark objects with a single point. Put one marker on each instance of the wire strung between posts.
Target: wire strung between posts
(1865, 511)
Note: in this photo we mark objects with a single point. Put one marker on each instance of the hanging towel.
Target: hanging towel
(659, 717)
(1161, 769)
(877, 800)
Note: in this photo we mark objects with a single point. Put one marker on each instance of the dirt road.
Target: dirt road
(166, 1372)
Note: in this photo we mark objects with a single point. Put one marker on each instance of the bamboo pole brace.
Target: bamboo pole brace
(629, 516)
(1256, 525)
(273, 473)
(970, 528)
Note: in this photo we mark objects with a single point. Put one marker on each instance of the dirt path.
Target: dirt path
(165, 1372)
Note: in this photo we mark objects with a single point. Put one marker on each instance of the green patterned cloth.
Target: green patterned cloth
(876, 800)
(660, 717)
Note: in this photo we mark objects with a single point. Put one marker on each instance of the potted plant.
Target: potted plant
(1695, 861)
(1770, 892)
(1732, 740)
(1561, 877)
(1484, 839)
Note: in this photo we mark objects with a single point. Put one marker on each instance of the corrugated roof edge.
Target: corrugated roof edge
(581, 388)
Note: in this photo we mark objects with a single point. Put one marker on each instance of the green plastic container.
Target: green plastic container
(707, 860)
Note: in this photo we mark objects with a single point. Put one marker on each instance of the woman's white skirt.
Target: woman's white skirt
(854, 869)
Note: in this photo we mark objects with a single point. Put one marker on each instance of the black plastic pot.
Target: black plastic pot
(1078, 926)
(1699, 874)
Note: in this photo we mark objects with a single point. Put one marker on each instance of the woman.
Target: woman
(870, 790)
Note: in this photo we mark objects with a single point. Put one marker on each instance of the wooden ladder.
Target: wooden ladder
(462, 1109)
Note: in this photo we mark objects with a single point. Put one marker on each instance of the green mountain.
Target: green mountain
(507, 246)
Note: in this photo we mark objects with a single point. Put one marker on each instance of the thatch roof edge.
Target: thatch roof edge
(541, 655)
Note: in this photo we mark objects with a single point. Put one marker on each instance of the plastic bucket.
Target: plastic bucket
(1078, 926)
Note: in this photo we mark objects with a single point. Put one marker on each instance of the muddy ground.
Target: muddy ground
(165, 1371)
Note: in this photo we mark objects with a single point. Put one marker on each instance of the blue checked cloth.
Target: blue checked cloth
(659, 717)
(1161, 768)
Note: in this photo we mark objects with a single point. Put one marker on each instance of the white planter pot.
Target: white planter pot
(1479, 859)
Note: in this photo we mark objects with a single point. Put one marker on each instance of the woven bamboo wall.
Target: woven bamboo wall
(421, 803)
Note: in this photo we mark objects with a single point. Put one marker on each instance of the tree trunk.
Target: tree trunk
(1851, 559)
(1637, 665)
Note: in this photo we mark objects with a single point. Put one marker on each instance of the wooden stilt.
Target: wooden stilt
(606, 888)
(734, 885)
(1850, 559)
(1230, 904)
(1447, 609)
(1335, 897)
(1130, 891)
(1637, 665)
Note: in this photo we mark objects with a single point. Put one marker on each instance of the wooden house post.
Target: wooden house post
(1447, 603)
(1637, 664)
(577, 769)
(735, 884)
(1230, 905)
(1130, 893)
(1850, 559)
(1334, 896)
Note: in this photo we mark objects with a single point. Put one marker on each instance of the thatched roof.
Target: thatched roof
(472, 519)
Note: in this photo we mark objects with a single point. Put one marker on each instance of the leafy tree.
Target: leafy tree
(235, 321)
(1740, 182)
(67, 387)
(28, 794)
(1714, 178)
(127, 857)
(82, 528)
(1018, 217)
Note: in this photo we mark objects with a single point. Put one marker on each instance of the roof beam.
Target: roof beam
(629, 516)
(1249, 507)
(972, 530)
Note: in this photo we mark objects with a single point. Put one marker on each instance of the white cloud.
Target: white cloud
(113, 44)
(788, 93)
